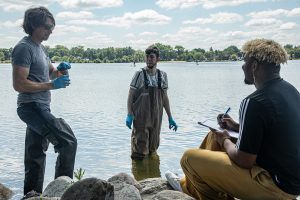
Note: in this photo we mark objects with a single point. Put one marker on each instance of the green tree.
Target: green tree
(77, 51)
(179, 51)
(2, 57)
(297, 52)
(233, 57)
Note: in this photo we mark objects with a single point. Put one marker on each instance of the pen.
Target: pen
(227, 111)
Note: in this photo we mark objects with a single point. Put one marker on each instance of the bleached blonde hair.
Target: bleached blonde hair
(264, 50)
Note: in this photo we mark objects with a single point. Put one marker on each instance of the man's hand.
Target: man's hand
(129, 120)
(61, 82)
(220, 136)
(172, 124)
(226, 122)
(63, 67)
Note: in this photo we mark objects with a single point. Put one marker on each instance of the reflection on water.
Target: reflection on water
(146, 168)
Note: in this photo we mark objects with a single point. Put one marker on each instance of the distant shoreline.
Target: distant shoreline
(175, 61)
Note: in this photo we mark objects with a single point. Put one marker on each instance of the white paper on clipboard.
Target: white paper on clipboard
(213, 126)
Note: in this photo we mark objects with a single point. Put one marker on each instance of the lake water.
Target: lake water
(95, 107)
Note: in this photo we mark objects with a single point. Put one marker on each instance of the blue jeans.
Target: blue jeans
(42, 128)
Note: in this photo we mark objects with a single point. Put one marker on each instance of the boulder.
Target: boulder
(124, 178)
(124, 191)
(57, 187)
(5, 193)
(90, 188)
(152, 186)
(124, 187)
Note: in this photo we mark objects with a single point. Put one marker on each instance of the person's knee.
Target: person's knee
(187, 156)
(73, 144)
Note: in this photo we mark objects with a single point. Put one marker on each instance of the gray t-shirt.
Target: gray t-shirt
(138, 80)
(33, 56)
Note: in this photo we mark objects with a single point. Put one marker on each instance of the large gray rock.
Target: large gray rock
(124, 191)
(124, 187)
(171, 194)
(89, 189)
(152, 186)
(123, 178)
(5, 193)
(57, 187)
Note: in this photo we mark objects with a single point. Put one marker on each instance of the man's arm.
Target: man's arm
(22, 84)
(130, 101)
(53, 72)
(166, 104)
(240, 158)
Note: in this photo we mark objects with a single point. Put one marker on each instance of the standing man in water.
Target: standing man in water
(33, 77)
(146, 99)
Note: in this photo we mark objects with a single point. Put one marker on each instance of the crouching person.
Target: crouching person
(33, 77)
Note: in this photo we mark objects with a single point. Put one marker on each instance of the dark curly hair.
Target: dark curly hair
(152, 49)
(35, 17)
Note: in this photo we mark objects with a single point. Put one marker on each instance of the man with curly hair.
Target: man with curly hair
(264, 162)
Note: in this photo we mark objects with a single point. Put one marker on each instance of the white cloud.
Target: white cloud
(279, 13)
(11, 24)
(146, 33)
(294, 12)
(263, 22)
(129, 35)
(90, 3)
(218, 18)
(93, 40)
(144, 17)
(288, 26)
(100, 39)
(74, 15)
(191, 37)
(8, 41)
(64, 30)
(143, 43)
(243, 35)
(207, 4)
(21, 5)
(269, 13)
(171, 4)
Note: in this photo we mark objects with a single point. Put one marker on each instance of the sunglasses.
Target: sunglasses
(48, 27)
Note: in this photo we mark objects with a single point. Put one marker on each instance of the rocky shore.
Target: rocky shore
(119, 187)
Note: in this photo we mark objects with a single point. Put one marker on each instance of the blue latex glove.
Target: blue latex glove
(63, 66)
(61, 82)
(129, 120)
(172, 124)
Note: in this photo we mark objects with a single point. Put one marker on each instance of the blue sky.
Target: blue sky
(140, 23)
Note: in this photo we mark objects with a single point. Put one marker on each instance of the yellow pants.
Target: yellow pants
(210, 174)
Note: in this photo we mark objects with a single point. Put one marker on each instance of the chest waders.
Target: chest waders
(147, 110)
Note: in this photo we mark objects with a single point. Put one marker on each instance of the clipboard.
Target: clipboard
(213, 126)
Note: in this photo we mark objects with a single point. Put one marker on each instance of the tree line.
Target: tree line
(127, 54)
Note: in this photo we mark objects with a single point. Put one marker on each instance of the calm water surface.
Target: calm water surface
(95, 107)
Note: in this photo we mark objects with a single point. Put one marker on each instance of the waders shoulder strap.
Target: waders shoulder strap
(146, 81)
(159, 78)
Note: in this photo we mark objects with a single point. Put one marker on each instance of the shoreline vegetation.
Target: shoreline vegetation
(79, 54)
